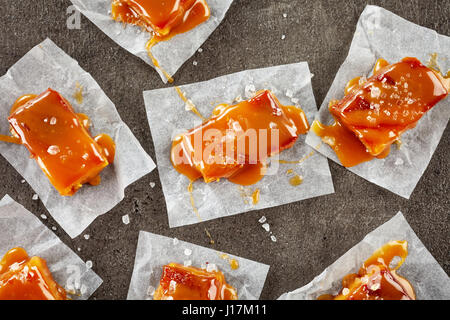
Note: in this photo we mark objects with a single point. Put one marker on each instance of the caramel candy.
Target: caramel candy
(376, 280)
(237, 140)
(25, 278)
(189, 283)
(377, 111)
(58, 140)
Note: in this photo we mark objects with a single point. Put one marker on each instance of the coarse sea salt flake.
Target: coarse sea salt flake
(126, 219)
(89, 264)
(263, 219)
(187, 252)
(35, 197)
(266, 227)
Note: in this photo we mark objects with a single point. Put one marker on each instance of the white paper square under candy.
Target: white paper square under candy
(167, 117)
(47, 66)
(171, 54)
(429, 280)
(155, 251)
(382, 34)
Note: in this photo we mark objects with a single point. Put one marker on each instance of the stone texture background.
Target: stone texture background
(311, 234)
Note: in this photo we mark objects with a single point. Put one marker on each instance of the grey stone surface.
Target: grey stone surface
(311, 234)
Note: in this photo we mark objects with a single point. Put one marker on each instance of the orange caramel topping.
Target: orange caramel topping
(376, 280)
(25, 278)
(188, 283)
(376, 112)
(237, 140)
(59, 140)
(165, 19)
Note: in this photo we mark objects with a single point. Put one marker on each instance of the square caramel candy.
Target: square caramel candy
(389, 103)
(57, 139)
(25, 278)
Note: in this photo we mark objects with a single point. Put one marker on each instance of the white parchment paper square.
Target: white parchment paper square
(20, 228)
(155, 251)
(170, 54)
(429, 280)
(47, 66)
(167, 116)
(382, 34)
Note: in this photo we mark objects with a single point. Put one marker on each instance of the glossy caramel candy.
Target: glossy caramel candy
(25, 278)
(237, 140)
(165, 18)
(376, 280)
(59, 141)
(377, 111)
(188, 283)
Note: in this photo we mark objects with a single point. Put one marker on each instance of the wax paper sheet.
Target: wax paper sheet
(429, 280)
(381, 34)
(170, 54)
(20, 228)
(168, 116)
(46, 66)
(155, 251)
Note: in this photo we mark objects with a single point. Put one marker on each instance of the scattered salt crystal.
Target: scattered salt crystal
(295, 100)
(53, 121)
(200, 50)
(22, 181)
(43, 216)
(195, 63)
(189, 105)
(126, 219)
(78, 249)
(284, 15)
(151, 290)
(188, 263)
(35, 197)
(283, 37)
(263, 219)
(345, 291)
(54, 228)
(250, 90)
(273, 238)
(289, 93)
(152, 184)
(399, 162)
(86, 236)
(175, 241)
(53, 150)
(211, 267)
(266, 227)
(187, 252)
(83, 289)
(89, 264)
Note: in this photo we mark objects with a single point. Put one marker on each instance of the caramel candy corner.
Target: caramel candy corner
(25, 278)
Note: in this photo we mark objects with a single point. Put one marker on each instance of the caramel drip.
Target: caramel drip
(78, 95)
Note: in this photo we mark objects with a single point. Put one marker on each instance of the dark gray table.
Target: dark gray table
(311, 234)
